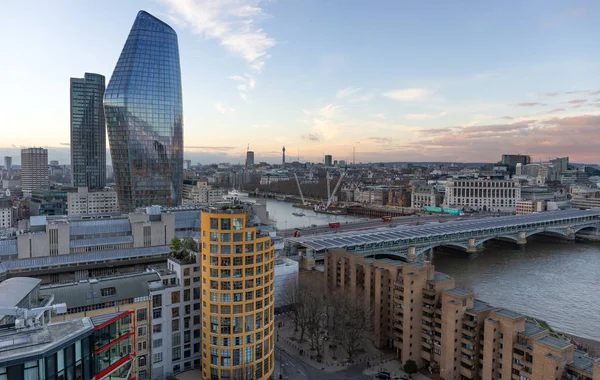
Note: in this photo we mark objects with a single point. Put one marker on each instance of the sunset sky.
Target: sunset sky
(397, 80)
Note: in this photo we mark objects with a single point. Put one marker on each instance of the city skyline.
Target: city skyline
(423, 84)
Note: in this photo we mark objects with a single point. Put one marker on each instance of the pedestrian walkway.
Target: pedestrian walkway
(394, 367)
(333, 359)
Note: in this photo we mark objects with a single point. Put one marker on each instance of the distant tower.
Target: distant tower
(283, 159)
(7, 162)
(249, 158)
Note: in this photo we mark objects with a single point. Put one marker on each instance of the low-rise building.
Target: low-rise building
(85, 202)
(269, 178)
(425, 196)
(427, 319)
(200, 192)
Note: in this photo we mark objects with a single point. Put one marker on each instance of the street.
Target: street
(292, 368)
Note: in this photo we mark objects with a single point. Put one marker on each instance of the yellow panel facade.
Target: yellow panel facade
(238, 297)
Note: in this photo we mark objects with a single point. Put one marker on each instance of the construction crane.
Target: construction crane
(337, 186)
(299, 190)
(328, 185)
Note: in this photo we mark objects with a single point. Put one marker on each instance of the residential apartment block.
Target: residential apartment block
(425, 196)
(34, 169)
(424, 317)
(85, 202)
(200, 192)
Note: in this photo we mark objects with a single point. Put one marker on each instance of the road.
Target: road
(374, 223)
(293, 368)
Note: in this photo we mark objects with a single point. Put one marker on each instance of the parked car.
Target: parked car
(383, 376)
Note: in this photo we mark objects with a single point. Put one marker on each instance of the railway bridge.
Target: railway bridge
(412, 242)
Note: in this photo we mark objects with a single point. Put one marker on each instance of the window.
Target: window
(142, 315)
(238, 223)
(142, 361)
(250, 236)
(157, 328)
(175, 312)
(157, 343)
(105, 292)
(157, 357)
(225, 223)
(157, 300)
(142, 331)
(225, 237)
(214, 236)
(174, 297)
(157, 313)
(176, 353)
(214, 223)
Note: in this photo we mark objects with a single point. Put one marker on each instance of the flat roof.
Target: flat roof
(582, 362)
(30, 344)
(459, 292)
(508, 313)
(555, 342)
(99, 320)
(408, 234)
(13, 290)
(532, 328)
(85, 293)
(479, 306)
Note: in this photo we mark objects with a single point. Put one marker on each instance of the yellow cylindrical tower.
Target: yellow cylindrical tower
(237, 297)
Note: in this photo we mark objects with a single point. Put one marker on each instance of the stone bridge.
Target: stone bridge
(469, 235)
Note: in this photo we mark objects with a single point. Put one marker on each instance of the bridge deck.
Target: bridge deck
(449, 230)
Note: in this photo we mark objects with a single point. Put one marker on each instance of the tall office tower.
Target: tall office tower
(328, 160)
(283, 159)
(34, 169)
(88, 134)
(144, 117)
(249, 158)
(239, 301)
(7, 162)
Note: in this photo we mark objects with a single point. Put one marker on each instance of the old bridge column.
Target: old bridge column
(472, 247)
(412, 254)
(522, 238)
(570, 233)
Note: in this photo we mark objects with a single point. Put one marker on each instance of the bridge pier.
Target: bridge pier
(570, 233)
(412, 254)
(522, 238)
(472, 247)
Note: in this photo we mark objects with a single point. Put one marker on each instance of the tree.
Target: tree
(354, 324)
(175, 245)
(178, 251)
(410, 367)
(189, 244)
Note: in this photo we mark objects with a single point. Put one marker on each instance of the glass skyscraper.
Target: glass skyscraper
(88, 133)
(144, 117)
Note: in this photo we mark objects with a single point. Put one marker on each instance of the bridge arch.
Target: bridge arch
(456, 245)
(556, 233)
(593, 227)
(499, 237)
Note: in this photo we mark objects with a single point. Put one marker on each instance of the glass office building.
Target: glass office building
(144, 117)
(88, 133)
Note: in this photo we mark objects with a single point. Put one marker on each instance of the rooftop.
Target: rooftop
(508, 313)
(440, 277)
(13, 290)
(459, 292)
(84, 293)
(582, 362)
(479, 306)
(555, 342)
(532, 329)
(99, 320)
(18, 345)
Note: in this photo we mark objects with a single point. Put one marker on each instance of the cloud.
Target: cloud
(574, 136)
(223, 109)
(507, 118)
(381, 140)
(231, 22)
(65, 144)
(245, 84)
(556, 110)
(409, 94)
(577, 101)
(347, 92)
(311, 137)
(529, 104)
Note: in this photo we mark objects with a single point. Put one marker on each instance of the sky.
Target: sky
(394, 80)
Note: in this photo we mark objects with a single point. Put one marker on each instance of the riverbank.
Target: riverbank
(591, 346)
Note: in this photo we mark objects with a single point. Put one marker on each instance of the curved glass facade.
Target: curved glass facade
(144, 117)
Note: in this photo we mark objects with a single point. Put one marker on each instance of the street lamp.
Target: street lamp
(280, 373)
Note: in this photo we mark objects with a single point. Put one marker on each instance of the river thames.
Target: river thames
(558, 282)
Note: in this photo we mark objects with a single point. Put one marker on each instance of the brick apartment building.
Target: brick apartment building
(422, 315)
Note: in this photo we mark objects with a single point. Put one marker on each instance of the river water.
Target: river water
(554, 281)
(546, 279)
(281, 212)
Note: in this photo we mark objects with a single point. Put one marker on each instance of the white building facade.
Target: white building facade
(482, 194)
(85, 202)
(425, 196)
(5, 217)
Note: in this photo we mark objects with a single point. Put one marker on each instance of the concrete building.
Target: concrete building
(6, 213)
(199, 192)
(34, 169)
(268, 178)
(286, 273)
(85, 202)
(421, 314)
(238, 304)
(328, 160)
(511, 161)
(425, 196)
(523, 207)
(482, 194)
(249, 158)
(7, 163)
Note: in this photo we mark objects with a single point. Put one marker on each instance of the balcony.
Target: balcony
(429, 292)
(398, 291)
(517, 366)
(398, 316)
(438, 328)
(514, 376)
(467, 341)
(426, 355)
(467, 372)
(524, 372)
(465, 359)
(437, 319)
(469, 322)
(429, 300)
(518, 356)
(467, 351)
(427, 318)
(468, 332)
(425, 344)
